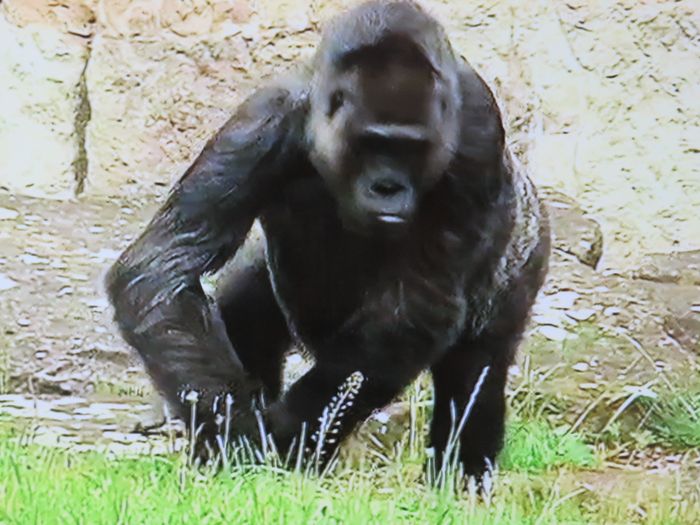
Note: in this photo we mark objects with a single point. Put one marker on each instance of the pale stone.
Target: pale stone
(560, 300)
(612, 310)
(154, 104)
(6, 283)
(40, 71)
(553, 333)
(583, 314)
(6, 214)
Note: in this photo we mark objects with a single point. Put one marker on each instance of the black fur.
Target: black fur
(399, 234)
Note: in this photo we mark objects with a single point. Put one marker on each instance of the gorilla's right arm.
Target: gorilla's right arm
(160, 306)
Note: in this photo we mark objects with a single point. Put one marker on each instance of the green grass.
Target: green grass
(536, 486)
(46, 486)
(547, 476)
(675, 420)
(535, 447)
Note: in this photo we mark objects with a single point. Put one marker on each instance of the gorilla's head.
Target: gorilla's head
(384, 106)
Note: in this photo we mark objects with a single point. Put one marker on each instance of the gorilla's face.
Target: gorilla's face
(377, 131)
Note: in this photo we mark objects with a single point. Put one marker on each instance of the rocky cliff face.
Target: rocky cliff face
(115, 97)
(43, 54)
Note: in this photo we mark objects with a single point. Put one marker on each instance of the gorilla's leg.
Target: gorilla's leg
(455, 377)
(255, 325)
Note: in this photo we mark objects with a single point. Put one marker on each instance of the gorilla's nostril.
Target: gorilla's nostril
(386, 188)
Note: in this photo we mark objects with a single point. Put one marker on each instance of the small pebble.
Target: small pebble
(612, 310)
(28, 258)
(547, 319)
(553, 333)
(561, 300)
(6, 213)
(581, 367)
(581, 315)
(105, 254)
(66, 290)
(588, 386)
(6, 283)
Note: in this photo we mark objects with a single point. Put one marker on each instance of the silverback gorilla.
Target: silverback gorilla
(399, 236)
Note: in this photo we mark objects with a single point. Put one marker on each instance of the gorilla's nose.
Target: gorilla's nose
(386, 188)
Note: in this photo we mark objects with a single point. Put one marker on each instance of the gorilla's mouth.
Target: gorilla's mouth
(389, 218)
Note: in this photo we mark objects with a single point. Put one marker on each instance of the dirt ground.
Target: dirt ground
(58, 338)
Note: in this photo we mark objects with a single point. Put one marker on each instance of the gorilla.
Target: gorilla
(400, 236)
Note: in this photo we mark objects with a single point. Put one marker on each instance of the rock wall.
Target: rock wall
(113, 98)
(41, 72)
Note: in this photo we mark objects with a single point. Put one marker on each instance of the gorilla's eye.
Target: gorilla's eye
(337, 99)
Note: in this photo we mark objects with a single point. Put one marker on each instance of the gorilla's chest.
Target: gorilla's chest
(320, 274)
(323, 275)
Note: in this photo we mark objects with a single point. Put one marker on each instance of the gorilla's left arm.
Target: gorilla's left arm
(160, 306)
